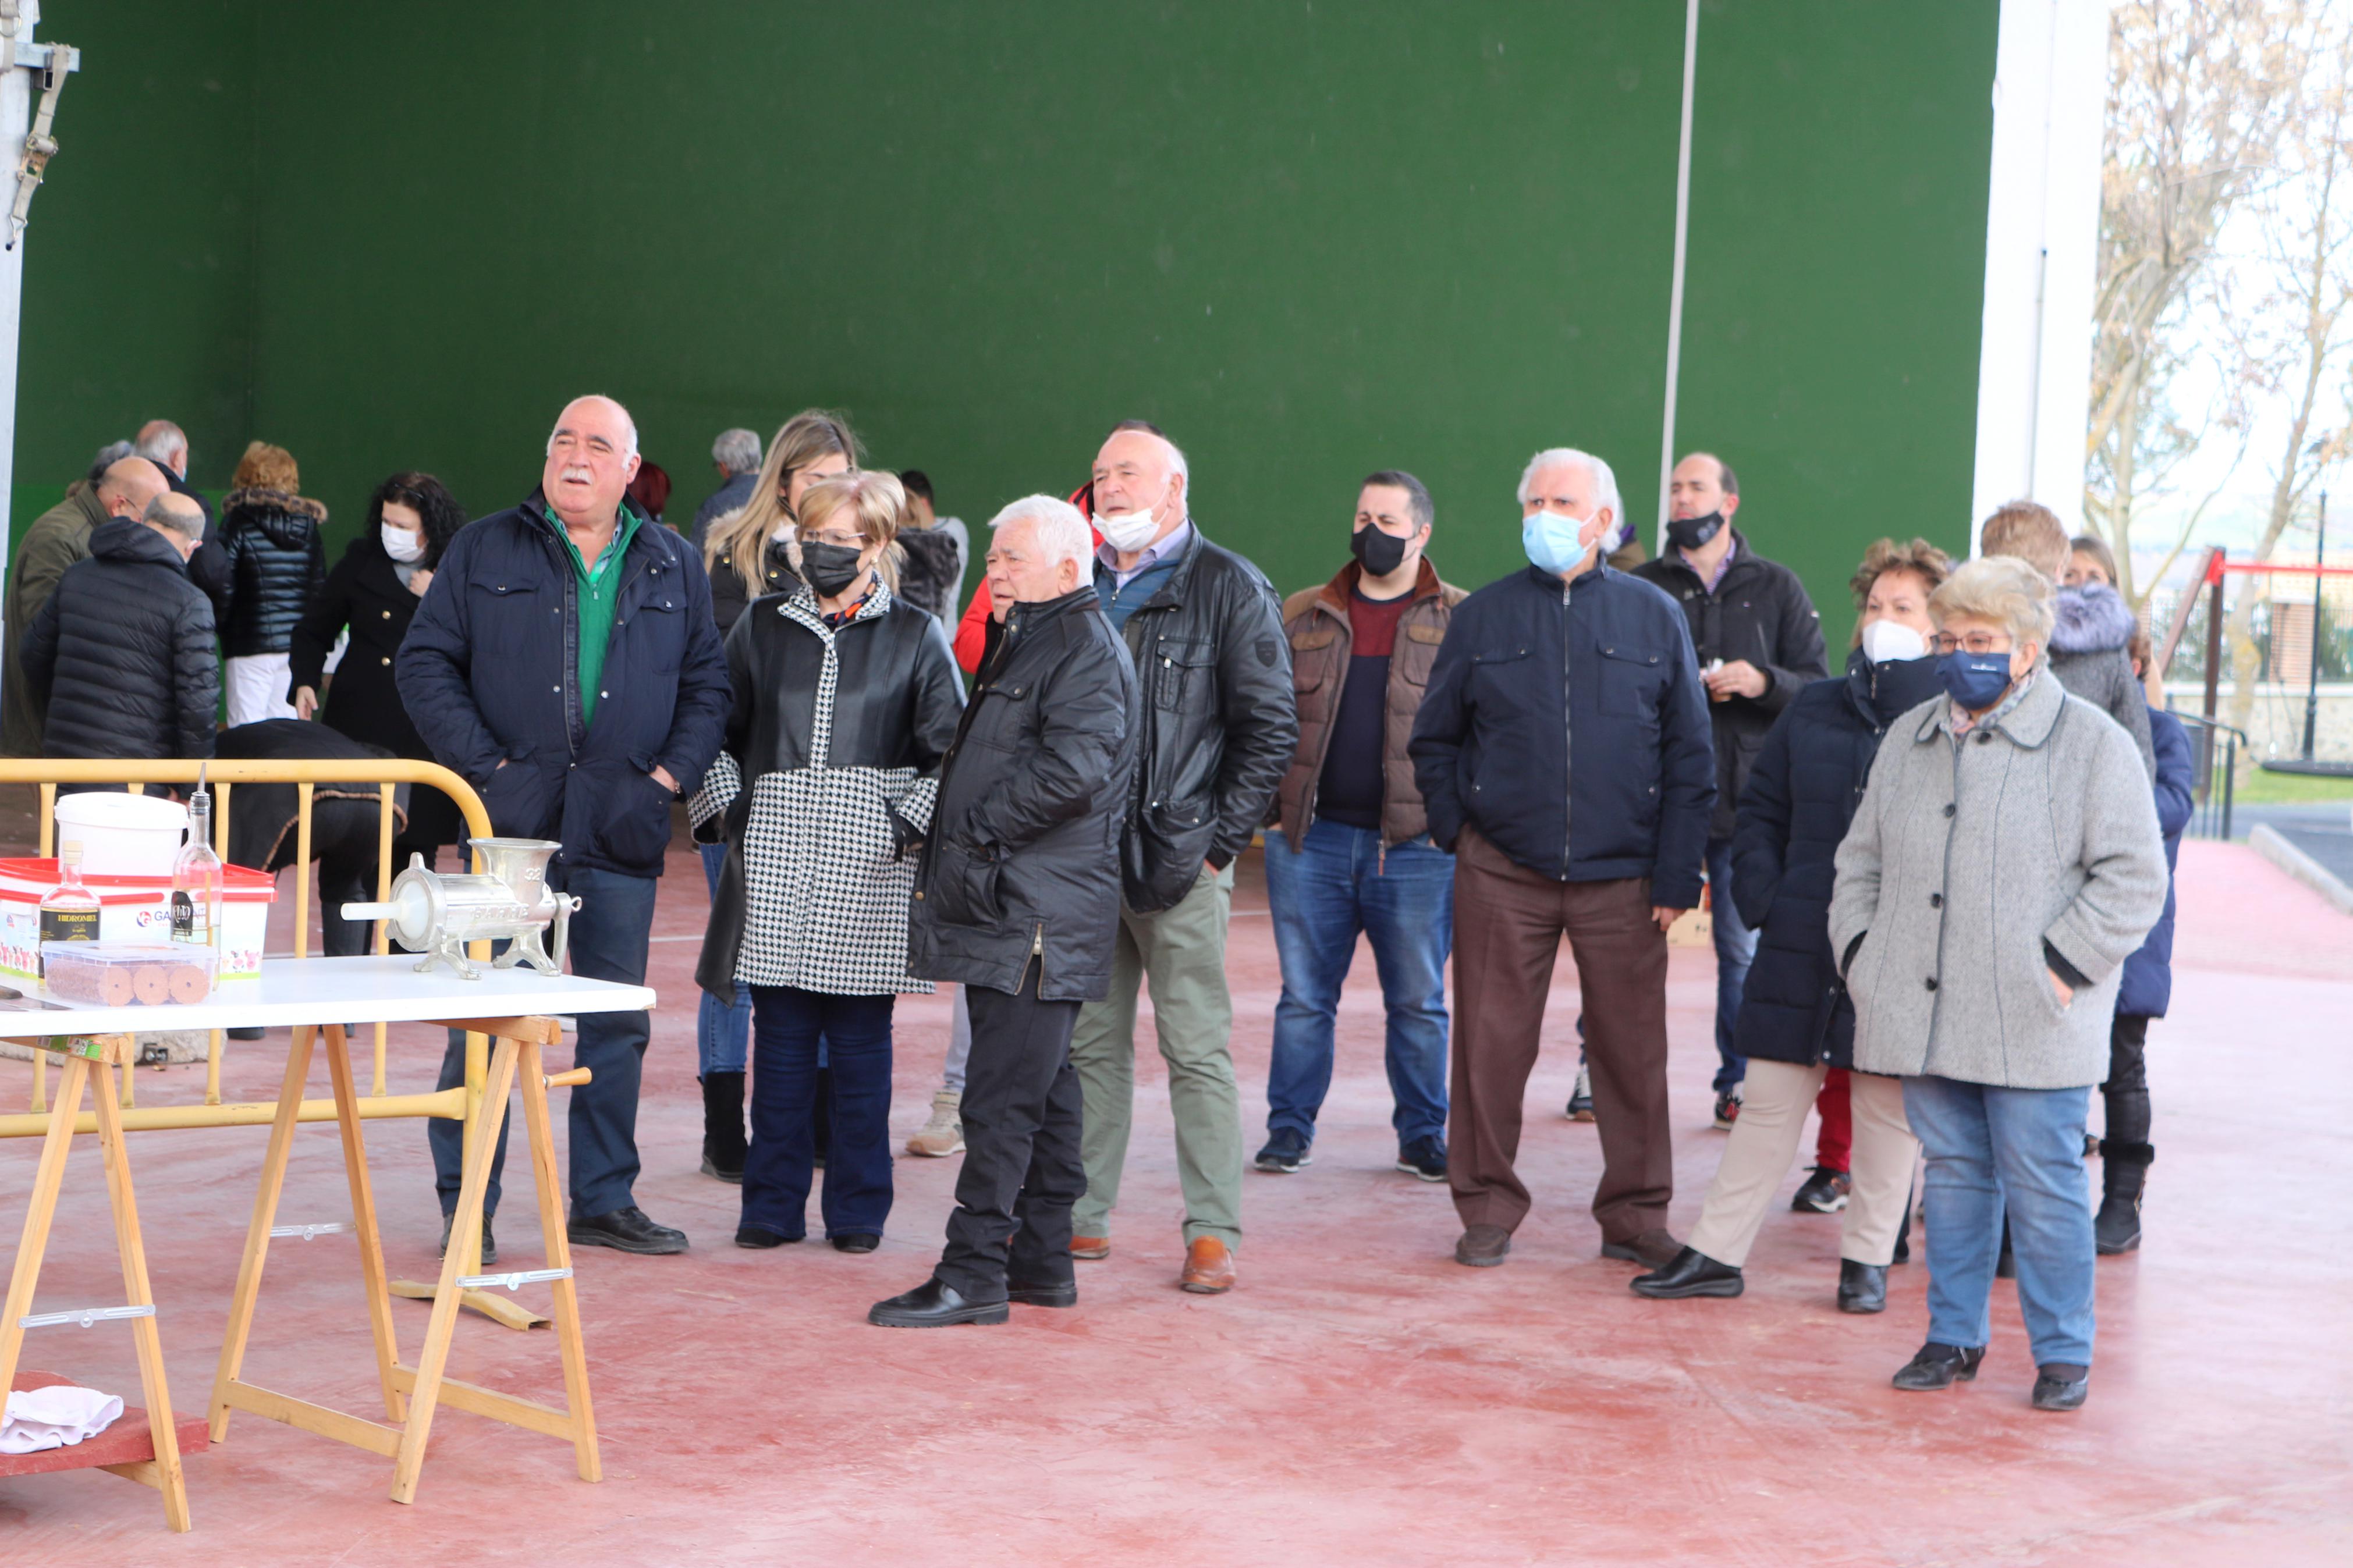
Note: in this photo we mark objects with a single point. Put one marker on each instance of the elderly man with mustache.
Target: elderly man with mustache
(565, 663)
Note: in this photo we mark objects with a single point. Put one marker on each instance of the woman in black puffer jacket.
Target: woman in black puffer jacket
(274, 560)
(1796, 1025)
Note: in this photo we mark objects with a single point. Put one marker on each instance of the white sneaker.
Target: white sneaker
(943, 1134)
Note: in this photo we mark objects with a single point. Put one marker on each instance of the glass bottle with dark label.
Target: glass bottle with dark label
(197, 879)
(70, 910)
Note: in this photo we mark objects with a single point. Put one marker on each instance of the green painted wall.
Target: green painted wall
(1309, 239)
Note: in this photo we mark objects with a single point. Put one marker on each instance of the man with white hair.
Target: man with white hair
(565, 663)
(1218, 727)
(736, 455)
(1017, 900)
(1562, 751)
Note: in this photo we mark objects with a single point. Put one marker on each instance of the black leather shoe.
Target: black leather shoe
(1863, 1287)
(856, 1242)
(2059, 1386)
(625, 1230)
(1691, 1273)
(489, 1242)
(1939, 1366)
(934, 1305)
(1043, 1295)
(1654, 1247)
(760, 1239)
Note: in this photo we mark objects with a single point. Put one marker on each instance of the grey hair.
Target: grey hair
(2001, 589)
(1062, 533)
(627, 419)
(738, 451)
(187, 519)
(1604, 483)
(159, 438)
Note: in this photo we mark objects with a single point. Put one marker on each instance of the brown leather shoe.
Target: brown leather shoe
(1655, 1248)
(1208, 1268)
(1482, 1247)
(1090, 1246)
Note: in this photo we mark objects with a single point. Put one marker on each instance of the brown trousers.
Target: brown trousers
(1508, 922)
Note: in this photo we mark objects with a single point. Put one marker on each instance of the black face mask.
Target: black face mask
(1378, 552)
(829, 568)
(1693, 532)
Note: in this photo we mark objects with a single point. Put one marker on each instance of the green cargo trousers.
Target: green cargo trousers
(1181, 953)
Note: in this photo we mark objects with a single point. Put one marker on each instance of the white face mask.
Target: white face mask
(403, 544)
(1127, 531)
(1884, 641)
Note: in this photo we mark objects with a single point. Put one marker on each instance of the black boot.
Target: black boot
(1936, 1366)
(2124, 1171)
(1690, 1274)
(724, 1147)
(1863, 1287)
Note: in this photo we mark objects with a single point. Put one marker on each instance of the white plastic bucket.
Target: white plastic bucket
(122, 835)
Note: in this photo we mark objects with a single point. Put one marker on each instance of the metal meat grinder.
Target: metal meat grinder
(509, 900)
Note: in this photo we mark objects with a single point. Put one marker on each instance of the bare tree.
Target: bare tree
(2308, 223)
(2198, 92)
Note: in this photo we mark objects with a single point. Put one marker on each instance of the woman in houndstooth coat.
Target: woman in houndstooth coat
(846, 701)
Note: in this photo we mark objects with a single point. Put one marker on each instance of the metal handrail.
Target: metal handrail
(2235, 738)
(221, 776)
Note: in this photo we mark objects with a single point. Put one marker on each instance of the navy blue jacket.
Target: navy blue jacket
(490, 672)
(2148, 986)
(1803, 790)
(1571, 730)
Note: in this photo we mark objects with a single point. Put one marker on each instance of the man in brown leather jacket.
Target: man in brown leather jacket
(1353, 853)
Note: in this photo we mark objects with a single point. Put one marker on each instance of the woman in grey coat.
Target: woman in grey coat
(2003, 864)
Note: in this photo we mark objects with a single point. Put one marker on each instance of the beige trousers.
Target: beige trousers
(1774, 1101)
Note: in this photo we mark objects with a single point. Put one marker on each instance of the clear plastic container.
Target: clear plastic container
(127, 974)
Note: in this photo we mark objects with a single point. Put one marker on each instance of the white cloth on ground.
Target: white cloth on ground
(56, 1417)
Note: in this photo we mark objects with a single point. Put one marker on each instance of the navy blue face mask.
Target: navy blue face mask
(1975, 680)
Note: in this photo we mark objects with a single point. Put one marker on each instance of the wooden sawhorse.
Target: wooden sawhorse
(96, 1057)
(516, 1043)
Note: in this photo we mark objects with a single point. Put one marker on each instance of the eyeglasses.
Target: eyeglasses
(846, 539)
(1975, 642)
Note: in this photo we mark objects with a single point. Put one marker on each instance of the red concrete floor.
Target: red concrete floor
(1360, 1399)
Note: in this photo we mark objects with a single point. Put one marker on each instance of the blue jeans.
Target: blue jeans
(721, 1034)
(1336, 885)
(1988, 1146)
(1735, 948)
(786, 1025)
(607, 942)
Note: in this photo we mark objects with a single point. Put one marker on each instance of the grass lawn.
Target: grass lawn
(2257, 787)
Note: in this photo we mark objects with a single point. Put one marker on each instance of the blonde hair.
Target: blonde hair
(811, 434)
(2002, 589)
(876, 503)
(2030, 531)
(267, 467)
(1919, 557)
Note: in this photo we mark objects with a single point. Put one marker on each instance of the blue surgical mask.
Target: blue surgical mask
(1975, 680)
(1551, 540)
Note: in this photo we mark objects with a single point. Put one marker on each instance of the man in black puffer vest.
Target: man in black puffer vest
(123, 649)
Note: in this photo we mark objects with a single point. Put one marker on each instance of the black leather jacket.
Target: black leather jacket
(896, 699)
(1213, 678)
(1021, 860)
(274, 560)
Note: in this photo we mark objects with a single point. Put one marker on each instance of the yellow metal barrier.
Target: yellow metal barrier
(222, 775)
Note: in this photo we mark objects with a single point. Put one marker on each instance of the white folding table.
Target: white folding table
(518, 1010)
